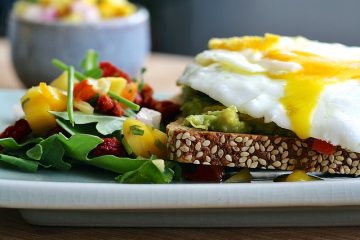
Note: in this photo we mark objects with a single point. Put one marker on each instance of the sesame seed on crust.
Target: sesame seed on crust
(255, 151)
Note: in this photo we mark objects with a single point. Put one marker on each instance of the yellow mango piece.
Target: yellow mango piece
(61, 82)
(143, 139)
(160, 142)
(117, 84)
(36, 104)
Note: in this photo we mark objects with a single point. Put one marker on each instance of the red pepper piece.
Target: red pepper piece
(323, 147)
(109, 70)
(84, 91)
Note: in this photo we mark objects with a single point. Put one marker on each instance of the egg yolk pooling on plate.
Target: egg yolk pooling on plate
(304, 86)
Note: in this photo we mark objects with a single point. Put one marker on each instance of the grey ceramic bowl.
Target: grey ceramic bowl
(125, 42)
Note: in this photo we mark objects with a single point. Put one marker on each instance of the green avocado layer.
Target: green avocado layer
(202, 112)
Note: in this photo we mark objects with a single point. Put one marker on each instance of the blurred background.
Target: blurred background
(184, 27)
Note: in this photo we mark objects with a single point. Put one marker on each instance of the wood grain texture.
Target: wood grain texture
(163, 71)
(14, 228)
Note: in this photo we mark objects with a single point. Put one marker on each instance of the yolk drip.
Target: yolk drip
(303, 87)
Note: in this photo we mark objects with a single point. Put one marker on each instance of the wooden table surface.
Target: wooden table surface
(163, 71)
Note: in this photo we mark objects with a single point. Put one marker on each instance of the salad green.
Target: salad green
(80, 138)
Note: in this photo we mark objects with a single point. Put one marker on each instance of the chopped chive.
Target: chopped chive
(70, 94)
(131, 105)
(59, 64)
(136, 130)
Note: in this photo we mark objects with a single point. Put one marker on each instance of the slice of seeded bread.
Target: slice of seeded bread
(190, 145)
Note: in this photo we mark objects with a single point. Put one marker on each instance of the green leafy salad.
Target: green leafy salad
(99, 117)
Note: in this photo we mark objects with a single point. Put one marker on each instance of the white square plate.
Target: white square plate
(89, 197)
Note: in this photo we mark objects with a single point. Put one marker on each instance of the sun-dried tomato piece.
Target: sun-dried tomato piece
(110, 146)
(19, 131)
(168, 109)
(108, 106)
(105, 103)
(147, 95)
(109, 70)
(117, 110)
(203, 173)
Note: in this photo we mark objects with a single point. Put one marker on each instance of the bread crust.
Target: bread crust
(190, 145)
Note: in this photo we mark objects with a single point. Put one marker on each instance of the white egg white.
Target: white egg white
(240, 79)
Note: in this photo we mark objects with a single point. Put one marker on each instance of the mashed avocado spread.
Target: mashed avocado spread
(225, 120)
(202, 112)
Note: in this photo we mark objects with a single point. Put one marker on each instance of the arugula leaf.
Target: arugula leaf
(50, 153)
(9, 144)
(90, 65)
(176, 168)
(78, 128)
(105, 125)
(35, 153)
(149, 172)
(79, 146)
(90, 61)
(23, 164)
(70, 95)
(65, 125)
(57, 150)
(94, 73)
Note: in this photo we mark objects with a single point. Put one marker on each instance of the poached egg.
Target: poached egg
(309, 87)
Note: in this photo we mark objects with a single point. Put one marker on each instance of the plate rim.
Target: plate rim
(77, 195)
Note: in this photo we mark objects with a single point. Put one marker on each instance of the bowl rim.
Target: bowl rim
(141, 15)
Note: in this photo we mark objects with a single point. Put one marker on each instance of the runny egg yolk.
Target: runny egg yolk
(303, 87)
